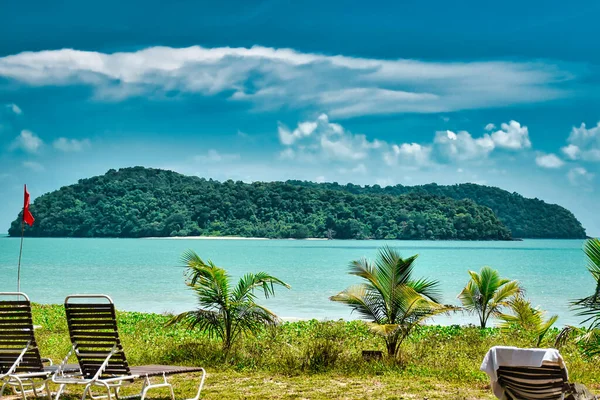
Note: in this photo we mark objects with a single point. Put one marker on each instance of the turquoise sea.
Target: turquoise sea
(146, 275)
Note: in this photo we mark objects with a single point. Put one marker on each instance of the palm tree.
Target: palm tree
(486, 293)
(588, 307)
(390, 298)
(225, 311)
(529, 318)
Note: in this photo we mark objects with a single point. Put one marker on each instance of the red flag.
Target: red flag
(27, 217)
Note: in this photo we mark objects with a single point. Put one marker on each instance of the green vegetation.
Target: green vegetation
(486, 293)
(526, 218)
(394, 301)
(226, 312)
(316, 360)
(589, 307)
(142, 202)
(526, 317)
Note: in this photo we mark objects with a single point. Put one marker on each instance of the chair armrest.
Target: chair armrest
(47, 360)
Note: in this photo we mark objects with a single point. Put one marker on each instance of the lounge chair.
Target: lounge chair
(96, 344)
(21, 366)
(526, 374)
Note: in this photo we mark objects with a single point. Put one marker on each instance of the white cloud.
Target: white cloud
(71, 145)
(490, 127)
(512, 136)
(304, 129)
(408, 153)
(34, 166)
(15, 108)
(213, 156)
(579, 176)
(324, 139)
(461, 146)
(584, 143)
(549, 161)
(321, 139)
(27, 141)
(571, 151)
(269, 78)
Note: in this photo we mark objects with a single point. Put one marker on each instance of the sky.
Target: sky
(405, 92)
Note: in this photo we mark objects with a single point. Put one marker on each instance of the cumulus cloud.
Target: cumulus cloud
(462, 146)
(34, 166)
(304, 129)
(27, 141)
(408, 153)
(71, 145)
(326, 140)
(549, 161)
(268, 77)
(321, 139)
(584, 143)
(511, 136)
(571, 151)
(213, 156)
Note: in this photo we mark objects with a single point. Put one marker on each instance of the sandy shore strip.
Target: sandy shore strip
(222, 238)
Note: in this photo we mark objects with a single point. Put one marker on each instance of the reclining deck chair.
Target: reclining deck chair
(526, 374)
(96, 344)
(20, 362)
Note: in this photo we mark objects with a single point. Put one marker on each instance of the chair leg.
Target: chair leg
(47, 388)
(59, 391)
(200, 386)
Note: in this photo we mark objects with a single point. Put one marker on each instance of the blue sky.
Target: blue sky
(406, 92)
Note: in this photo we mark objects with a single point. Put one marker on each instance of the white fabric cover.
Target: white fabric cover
(503, 356)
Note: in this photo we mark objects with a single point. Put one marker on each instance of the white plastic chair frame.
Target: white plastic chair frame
(115, 383)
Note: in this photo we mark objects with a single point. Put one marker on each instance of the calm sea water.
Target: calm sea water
(146, 275)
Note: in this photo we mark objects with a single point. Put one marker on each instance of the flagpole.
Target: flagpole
(20, 254)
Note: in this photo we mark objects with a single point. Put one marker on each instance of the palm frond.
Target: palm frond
(384, 329)
(505, 293)
(205, 320)
(592, 252)
(528, 318)
(428, 288)
(260, 280)
(470, 297)
(364, 301)
(589, 306)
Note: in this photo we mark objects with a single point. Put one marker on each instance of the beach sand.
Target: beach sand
(224, 238)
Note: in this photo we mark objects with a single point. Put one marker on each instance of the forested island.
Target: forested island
(526, 218)
(144, 202)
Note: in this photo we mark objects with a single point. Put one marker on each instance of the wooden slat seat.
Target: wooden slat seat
(16, 333)
(95, 337)
(94, 333)
(535, 383)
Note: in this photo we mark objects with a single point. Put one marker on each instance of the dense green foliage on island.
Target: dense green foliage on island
(526, 218)
(143, 202)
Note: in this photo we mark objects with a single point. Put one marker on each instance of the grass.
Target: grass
(315, 360)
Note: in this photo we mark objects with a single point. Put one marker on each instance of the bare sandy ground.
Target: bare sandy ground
(223, 238)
